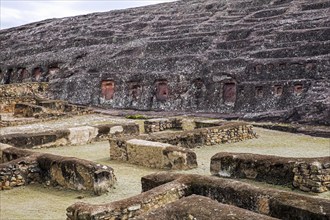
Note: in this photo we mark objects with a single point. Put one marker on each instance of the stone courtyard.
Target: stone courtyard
(194, 109)
(59, 195)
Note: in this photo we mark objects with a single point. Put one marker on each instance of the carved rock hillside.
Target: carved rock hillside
(262, 58)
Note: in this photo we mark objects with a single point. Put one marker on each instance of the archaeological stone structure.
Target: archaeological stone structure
(177, 86)
(162, 189)
(259, 59)
(21, 167)
(307, 174)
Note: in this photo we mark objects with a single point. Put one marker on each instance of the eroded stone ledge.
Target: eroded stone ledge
(163, 188)
(69, 136)
(202, 208)
(307, 174)
(273, 202)
(20, 167)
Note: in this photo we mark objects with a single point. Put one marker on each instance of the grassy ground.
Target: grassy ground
(38, 202)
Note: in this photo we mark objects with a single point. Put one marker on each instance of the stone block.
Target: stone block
(81, 135)
(152, 154)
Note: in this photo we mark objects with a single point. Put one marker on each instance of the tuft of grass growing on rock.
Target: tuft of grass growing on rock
(136, 117)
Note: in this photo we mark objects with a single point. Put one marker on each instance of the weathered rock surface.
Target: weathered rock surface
(307, 174)
(20, 167)
(200, 207)
(192, 55)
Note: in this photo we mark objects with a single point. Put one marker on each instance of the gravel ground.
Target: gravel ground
(39, 202)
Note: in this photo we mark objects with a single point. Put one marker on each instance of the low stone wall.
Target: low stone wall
(200, 207)
(156, 125)
(153, 154)
(23, 167)
(230, 132)
(307, 174)
(28, 110)
(70, 136)
(164, 188)
(131, 207)
(209, 123)
(49, 109)
(312, 175)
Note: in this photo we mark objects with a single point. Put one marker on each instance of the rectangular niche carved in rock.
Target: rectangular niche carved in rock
(298, 89)
(162, 90)
(229, 92)
(259, 91)
(8, 75)
(37, 73)
(107, 89)
(278, 90)
(135, 91)
(23, 73)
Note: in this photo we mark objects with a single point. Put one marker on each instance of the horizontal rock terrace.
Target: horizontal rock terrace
(21, 167)
(270, 57)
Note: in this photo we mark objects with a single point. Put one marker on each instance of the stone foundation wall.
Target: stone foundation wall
(230, 132)
(155, 125)
(70, 136)
(19, 172)
(131, 207)
(48, 109)
(153, 154)
(48, 169)
(312, 176)
(164, 188)
(307, 174)
(11, 94)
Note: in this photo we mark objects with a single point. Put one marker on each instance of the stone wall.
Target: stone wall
(227, 133)
(163, 188)
(131, 207)
(21, 167)
(307, 174)
(12, 94)
(312, 175)
(155, 125)
(153, 154)
(69, 136)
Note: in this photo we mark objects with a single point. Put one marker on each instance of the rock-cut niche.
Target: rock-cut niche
(37, 73)
(107, 89)
(229, 92)
(162, 90)
(135, 91)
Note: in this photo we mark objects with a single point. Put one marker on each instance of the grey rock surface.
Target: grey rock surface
(268, 58)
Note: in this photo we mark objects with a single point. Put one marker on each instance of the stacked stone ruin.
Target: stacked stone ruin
(264, 59)
(22, 167)
(251, 60)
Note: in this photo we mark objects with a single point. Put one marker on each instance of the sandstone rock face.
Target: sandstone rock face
(269, 56)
